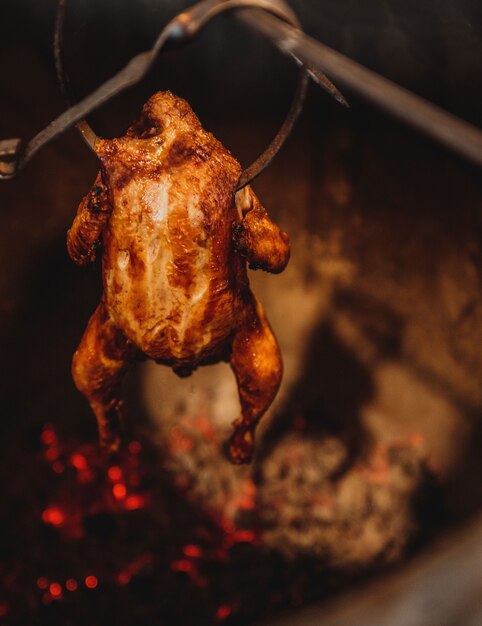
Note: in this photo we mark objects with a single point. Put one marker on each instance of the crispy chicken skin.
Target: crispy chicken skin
(176, 238)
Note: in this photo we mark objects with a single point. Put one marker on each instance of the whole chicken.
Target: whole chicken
(176, 238)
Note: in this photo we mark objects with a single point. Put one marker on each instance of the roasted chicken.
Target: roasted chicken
(176, 239)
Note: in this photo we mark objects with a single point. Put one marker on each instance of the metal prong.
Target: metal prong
(10, 154)
(10, 147)
(454, 133)
(182, 28)
(322, 81)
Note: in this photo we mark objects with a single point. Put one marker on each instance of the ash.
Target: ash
(308, 497)
(311, 504)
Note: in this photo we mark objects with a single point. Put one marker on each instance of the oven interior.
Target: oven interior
(370, 455)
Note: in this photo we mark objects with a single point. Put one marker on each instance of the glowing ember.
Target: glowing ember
(133, 503)
(192, 551)
(119, 490)
(79, 461)
(48, 435)
(42, 582)
(223, 612)
(55, 590)
(53, 516)
(114, 473)
(183, 565)
(90, 504)
(246, 502)
(91, 582)
(243, 536)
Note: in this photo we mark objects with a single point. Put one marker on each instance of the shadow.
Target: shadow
(335, 383)
(332, 388)
(374, 320)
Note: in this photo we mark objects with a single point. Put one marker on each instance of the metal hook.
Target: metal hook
(178, 31)
(187, 25)
(448, 130)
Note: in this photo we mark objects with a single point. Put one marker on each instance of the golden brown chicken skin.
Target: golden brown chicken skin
(176, 238)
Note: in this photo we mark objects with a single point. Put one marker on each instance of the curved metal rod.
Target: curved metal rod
(185, 26)
(83, 127)
(450, 131)
(14, 155)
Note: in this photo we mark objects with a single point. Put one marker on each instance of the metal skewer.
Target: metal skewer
(182, 28)
(449, 130)
(178, 31)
